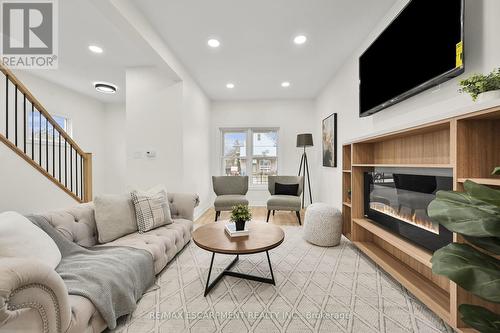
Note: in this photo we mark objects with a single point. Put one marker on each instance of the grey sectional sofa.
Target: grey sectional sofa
(33, 297)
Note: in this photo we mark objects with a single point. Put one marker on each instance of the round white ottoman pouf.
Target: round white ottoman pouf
(323, 225)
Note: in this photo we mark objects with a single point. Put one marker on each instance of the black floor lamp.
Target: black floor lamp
(303, 141)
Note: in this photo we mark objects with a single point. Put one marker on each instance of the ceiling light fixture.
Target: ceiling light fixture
(105, 88)
(285, 84)
(300, 39)
(214, 43)
(96, 49)
(230, 85)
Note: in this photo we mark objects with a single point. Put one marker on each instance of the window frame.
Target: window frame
(249, 150)
(68, 130)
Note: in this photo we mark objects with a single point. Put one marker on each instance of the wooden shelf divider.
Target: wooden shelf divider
(419, 254)
(429, 166)
(482, 181)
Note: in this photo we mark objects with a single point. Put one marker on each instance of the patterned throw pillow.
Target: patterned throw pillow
(151, 209)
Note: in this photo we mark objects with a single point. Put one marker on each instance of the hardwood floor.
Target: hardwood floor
(258, 214)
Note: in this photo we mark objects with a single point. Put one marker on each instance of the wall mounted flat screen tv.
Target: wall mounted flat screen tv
(421, 48)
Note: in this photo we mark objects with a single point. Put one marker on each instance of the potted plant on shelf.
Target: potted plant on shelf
(240, 214)
(475, 215)
(484, 87)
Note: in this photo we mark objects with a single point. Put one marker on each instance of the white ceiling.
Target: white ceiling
(257, 52)
(80, 24)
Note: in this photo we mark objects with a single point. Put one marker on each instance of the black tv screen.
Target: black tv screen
(421, 48)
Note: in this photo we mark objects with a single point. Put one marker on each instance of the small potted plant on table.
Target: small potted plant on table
(240, 214)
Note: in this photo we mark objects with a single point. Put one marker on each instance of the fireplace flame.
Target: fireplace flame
(405, 215)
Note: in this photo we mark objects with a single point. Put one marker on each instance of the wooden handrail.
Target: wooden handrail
(39, 107)
(79, 163)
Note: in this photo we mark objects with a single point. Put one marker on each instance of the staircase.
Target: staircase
(33, 134)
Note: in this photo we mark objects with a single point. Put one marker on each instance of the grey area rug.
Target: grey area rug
(317, 290)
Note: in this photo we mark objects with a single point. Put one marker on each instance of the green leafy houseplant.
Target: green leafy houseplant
(480, 83)
(475, 214)
(240, 214)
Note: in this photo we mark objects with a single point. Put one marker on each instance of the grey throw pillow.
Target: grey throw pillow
(151, 209)
(115, 216)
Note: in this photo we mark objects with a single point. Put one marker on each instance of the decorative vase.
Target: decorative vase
(240, 225)
(489, 96)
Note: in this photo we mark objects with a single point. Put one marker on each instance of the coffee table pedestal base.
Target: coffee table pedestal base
(227, 271)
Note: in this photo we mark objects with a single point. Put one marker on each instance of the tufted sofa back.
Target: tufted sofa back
(76, 224)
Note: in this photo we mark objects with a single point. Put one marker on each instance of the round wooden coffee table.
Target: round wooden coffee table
(262, 238)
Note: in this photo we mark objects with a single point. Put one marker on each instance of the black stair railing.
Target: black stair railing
(30, 131)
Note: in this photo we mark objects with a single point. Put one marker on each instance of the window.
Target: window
(250, 152)
(38, 126)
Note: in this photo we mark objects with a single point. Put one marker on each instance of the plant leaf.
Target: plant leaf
(472, 270)
(480, 318)
(490, 244)
(496, 171)
(461, 213)
(482, 192)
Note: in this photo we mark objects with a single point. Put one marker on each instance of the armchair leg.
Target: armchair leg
(298, 217)
(274, 212)
(268, 213)
(217, 214)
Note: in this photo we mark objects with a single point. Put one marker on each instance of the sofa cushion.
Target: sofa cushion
(283, 202)
(163, 243)
(114, 216)
(227, 202)
(20, 238)
(76, 224)
(151, 209)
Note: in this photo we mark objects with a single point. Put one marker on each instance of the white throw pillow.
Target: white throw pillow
(114, 216)
(20, 238)
(151, 208)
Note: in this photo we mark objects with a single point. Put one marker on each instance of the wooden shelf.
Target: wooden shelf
(346, 171)
(417, 253)
(348, 204)
(434, 297)
(436, 166)
(483, 181)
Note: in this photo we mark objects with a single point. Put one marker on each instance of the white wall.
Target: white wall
(115, 148)
(196, 144)
(482, 54)
(153, 123)
(25, 190)
(172, 119)
(290, 116)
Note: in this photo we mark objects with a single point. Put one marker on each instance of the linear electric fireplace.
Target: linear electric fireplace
(399, 201)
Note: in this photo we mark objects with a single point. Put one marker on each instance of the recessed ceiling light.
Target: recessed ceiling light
(213, 43)
(105, 88)
(96, 49)
(285, 84)
(300, 39)
(230, 85)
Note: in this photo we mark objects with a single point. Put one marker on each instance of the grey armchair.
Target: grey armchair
(284, 202)
(230, 191)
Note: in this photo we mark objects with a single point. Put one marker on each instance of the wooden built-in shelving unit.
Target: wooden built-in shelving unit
(467, 145)
(346, 187)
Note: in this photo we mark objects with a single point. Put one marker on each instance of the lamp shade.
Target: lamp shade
(305, 140)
